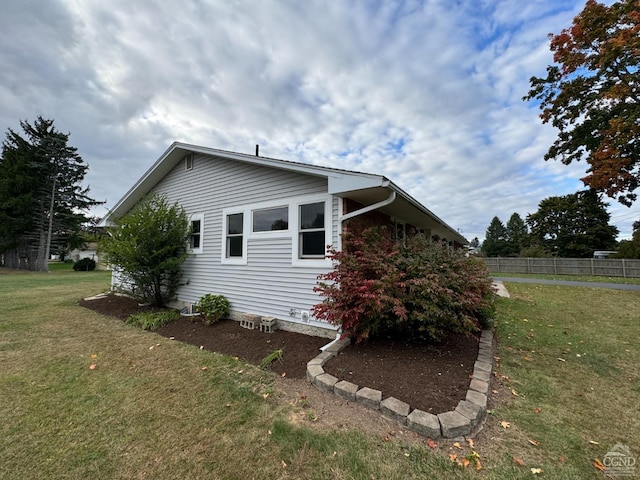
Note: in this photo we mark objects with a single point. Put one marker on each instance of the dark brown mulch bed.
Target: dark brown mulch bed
(228, 337)
(431, 378)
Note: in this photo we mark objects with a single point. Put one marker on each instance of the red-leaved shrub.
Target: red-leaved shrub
(412, 290)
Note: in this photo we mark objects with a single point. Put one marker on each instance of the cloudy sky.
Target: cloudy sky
(428, 93)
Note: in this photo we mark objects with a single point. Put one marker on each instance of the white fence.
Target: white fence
(606, 267)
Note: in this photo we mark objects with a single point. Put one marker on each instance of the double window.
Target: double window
(312, 242)
(235, 235)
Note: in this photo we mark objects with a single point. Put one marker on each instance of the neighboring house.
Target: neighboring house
(261, 225)
(90, 250)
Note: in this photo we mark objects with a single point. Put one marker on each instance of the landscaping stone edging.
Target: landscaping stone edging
(464, 420)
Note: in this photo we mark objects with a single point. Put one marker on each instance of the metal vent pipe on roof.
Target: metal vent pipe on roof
(257, 150)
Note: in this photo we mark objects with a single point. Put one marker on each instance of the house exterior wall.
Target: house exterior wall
(271, 281)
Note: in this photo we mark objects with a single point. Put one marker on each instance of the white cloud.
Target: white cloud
(427, 92)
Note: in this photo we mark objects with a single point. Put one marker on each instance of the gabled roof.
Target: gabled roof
(363, 187)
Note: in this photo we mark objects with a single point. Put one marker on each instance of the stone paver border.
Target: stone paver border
(464, 420)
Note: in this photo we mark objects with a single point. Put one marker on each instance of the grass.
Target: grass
(152, 320)
(572, 278)
(153, 408)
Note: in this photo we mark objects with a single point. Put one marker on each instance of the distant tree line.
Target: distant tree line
(42, 202)
(571, 226)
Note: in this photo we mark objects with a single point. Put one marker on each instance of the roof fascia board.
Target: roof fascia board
(339, 180)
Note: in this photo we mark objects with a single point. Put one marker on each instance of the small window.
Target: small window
(312, 231)
(196, 222)
(196, 234)
(235, 235)
(270, 219)
(188, 161)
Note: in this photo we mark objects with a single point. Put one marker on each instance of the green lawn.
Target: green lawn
(572, 278)
(153, 408)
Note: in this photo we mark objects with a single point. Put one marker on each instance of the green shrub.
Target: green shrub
(213, 307)
(412, 290)
(152, 320)
(147, 247)
(85, 265)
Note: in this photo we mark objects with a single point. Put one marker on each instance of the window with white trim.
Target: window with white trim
(235, 235)
(270, 219)
(311, 225)
(197, 232)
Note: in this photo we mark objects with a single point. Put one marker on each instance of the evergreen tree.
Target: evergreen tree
(517, 235)
(495, 243)
(41, 197)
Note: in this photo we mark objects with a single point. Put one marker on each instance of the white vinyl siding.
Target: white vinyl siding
(270, 280)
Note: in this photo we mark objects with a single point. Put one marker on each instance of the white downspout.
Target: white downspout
(375, 206)
(349, 215)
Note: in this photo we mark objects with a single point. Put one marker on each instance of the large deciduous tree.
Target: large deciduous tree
(630, 248)
(147, 247)
(573, 226)
(42, 200)
(592, 96)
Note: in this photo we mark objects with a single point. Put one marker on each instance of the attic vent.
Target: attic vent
(188, 161)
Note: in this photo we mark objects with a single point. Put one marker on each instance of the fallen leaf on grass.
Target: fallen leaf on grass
(94, 355)
(406, 454)
(283, 374)
(465, 462)
(536, 471)
(592, 442)
(561, 359)
(92, 366)
(598, 464)
(457, 445)
(476, 459)
(514, 393)
(283, 464)
(504, 424)
(518, 461)
(535, 443)
(431, 443)
(470, 442)
(265, 395)
(240, 371)
(537, 410)
(205, 368)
